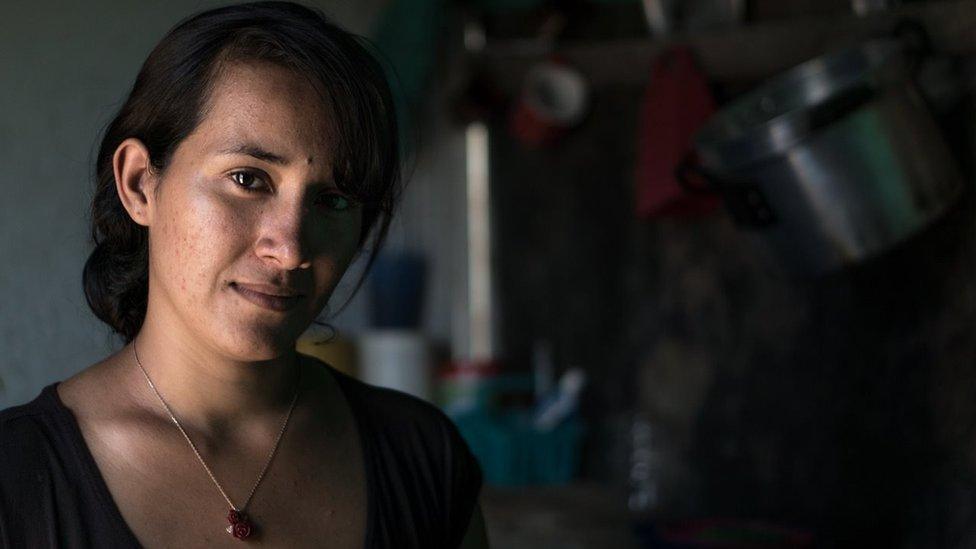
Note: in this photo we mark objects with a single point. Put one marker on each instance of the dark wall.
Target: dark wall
(842, 404)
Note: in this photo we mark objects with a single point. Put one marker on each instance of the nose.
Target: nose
(281, 238)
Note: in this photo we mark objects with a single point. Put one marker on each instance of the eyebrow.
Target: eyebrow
(254, 150)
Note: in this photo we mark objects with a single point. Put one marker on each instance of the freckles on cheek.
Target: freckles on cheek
(181, 250)
(196, 240)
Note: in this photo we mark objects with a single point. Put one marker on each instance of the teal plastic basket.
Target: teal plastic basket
(512, 452)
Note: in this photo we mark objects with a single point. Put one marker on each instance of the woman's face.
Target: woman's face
(248, 208)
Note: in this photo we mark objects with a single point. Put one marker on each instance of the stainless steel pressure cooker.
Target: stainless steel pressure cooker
(832, 162)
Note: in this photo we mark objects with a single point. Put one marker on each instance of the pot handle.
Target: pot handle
(693, 178)
(748, 205)
(744, 200)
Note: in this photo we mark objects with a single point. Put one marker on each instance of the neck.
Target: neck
(209, 391)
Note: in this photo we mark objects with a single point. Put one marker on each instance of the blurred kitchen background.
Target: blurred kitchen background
(686, 273)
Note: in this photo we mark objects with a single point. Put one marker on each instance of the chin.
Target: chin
(259, 343)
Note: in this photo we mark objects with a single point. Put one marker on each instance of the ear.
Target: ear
(134, 180)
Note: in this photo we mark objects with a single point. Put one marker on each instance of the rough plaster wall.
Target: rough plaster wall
(64, 68)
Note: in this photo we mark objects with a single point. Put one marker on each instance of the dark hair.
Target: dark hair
(168, 101)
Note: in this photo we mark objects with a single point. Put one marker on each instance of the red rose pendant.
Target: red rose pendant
(240, 526)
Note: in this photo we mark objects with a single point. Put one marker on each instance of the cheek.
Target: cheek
(196, 233)
(338, 245)
(343, 237)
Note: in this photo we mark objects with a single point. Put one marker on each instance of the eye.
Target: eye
(252, 181)
(248, 180)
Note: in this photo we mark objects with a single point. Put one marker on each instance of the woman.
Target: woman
(255, 156)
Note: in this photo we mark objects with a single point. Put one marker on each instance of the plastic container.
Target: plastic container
(512, 452)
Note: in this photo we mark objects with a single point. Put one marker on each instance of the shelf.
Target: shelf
(745, 54)
(584, 515)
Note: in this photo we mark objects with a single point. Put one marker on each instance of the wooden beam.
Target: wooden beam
(745, 54)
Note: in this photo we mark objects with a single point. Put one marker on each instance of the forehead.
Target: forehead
(269, 105)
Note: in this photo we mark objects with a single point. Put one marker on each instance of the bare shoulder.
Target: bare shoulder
(92, 391)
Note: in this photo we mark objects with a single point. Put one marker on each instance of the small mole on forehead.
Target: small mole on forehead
(309, 160)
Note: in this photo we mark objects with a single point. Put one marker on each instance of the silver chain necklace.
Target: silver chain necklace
(241, 526)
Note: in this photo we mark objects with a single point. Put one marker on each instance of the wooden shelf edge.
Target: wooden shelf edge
(744, 54)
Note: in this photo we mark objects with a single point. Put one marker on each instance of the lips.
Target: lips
(267, 297)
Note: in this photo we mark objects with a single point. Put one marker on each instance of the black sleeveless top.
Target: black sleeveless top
(422, 480)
